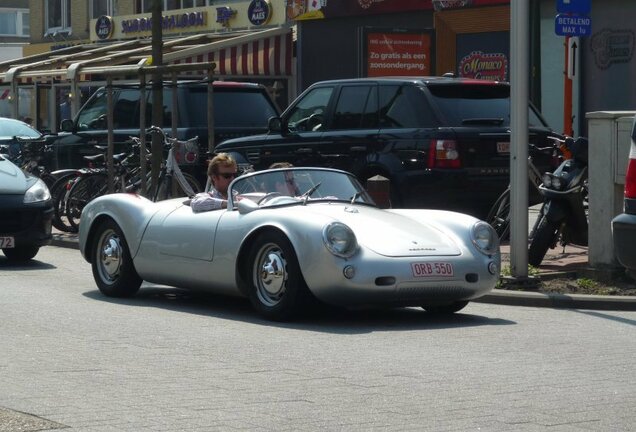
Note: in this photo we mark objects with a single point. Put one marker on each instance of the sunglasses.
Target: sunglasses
(228, 176)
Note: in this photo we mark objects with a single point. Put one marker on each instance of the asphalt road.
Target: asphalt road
(167, 360)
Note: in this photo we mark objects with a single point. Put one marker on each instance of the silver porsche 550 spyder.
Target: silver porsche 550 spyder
(290, 237)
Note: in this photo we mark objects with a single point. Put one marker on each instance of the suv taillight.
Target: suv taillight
(630, 179)
(443, 154)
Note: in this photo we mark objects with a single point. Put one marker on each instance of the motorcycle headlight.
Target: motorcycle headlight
(484, 238)
(547, 180)
(339, 239)
(37, 192)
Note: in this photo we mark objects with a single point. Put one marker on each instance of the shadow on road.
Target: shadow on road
(325, 319)
(34, 264)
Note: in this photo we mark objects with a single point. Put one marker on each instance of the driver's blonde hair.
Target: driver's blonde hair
(222, 159)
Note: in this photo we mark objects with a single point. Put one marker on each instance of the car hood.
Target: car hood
(392, 234)
(12, 179)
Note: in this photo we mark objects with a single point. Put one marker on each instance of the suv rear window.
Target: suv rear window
(233, 107)
(477, 104)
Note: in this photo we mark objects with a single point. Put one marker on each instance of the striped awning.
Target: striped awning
(246, 56)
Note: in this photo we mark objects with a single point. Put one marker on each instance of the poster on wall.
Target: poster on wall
(483, 55)
(395, 52)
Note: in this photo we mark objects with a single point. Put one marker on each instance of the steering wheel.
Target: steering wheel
(268, 197)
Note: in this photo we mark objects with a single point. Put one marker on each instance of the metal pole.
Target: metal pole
(211, 142)
(143, 104)
(111, 141)
(519, 79)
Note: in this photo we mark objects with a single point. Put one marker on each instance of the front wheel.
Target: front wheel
(445, 309)
(276, 287)
(112, 265)
(22, 253)
(544, 238)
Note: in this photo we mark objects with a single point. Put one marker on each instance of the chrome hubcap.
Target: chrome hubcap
(270, 275)
(110, 256)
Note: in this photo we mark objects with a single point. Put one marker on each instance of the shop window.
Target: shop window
(58, 17)
(98, 8)
(145, 6)
(14, 22)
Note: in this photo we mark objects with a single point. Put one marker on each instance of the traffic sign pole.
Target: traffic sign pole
(567, 94)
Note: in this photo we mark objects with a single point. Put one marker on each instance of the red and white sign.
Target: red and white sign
(398, 54)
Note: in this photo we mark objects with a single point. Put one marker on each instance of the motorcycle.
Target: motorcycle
(563, 215)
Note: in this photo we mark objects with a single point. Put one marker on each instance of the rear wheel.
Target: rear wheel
(21, 253)
(544, 238)
(499, 215)
(172, 188)
(81, 193)
(112, 265)
(58, 197)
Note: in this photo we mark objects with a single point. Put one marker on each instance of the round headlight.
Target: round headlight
(339, 239)
(557, 183)
(547, 180)
(485, 238)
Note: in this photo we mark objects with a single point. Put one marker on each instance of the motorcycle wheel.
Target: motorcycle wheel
(544, 238)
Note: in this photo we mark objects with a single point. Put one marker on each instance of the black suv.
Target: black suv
(443, 142)
(239, 109)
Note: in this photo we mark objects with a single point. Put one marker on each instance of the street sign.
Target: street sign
(582, 7)
(572, 25)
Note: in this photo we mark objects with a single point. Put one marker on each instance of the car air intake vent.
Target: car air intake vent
(254, 156)
(15, 221)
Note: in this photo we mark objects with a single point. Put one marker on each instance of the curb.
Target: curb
(559, 301)
(496, 296)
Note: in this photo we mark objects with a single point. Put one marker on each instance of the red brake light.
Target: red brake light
(630, 179)
(443, 154)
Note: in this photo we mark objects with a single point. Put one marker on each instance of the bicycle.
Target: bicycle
(91, 183)
(499, 214)
(186, 184)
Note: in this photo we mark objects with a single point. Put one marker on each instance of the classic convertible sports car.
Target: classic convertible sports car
(290, 237)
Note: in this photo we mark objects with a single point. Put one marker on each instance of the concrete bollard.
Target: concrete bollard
(380, 190)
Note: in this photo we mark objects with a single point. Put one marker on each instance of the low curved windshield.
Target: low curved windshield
(298, 186)
(10, 128)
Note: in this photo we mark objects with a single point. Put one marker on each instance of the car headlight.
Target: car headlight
(484, 238)
(37, 193)
(339, 239)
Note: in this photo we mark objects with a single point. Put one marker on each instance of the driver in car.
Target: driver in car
(221, 171)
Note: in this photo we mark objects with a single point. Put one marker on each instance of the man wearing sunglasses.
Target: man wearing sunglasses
(221, 171)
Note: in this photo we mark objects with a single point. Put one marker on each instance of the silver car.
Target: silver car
(291, 237)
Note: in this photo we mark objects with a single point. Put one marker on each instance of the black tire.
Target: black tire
(82, 192)
(445, 309)
(112, 265)
(276, 287)
(58, 197)
(21, 253)
(544, 238)
(499, 215)
(165, 190)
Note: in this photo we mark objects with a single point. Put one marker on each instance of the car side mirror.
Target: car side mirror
(66, 125)
(275, 124)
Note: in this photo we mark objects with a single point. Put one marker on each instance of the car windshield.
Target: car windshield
(12, 128)
(298, 186)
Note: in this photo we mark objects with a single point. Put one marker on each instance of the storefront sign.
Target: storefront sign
(392, 53)
(479, 65)
(259, 12)
(104, 27)
(180, 21)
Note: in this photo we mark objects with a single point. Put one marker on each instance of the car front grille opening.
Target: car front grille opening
(385, 281)
(472, 277)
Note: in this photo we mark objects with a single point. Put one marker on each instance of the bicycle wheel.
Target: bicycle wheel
(58, 197)
(499, 215)
(81, 193)
(169, 188)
